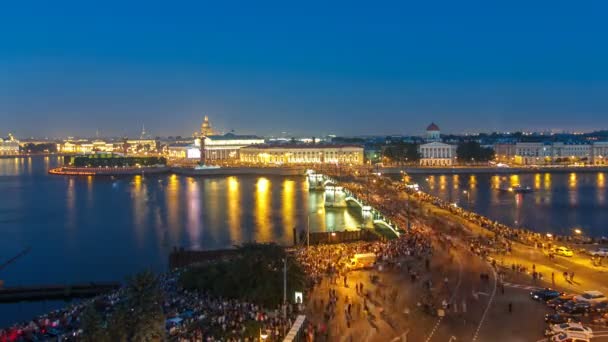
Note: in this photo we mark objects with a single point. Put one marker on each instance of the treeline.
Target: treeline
(39, 148)
(472, 151)
(103, 160)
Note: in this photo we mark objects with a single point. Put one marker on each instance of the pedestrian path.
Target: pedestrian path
(520, 286)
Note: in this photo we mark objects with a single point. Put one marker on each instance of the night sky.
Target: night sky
(316, 68)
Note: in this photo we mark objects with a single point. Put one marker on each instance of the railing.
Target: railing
(296, 332)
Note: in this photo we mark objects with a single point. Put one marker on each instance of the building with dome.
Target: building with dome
(435, 152)
(9, 146)
(433, 133)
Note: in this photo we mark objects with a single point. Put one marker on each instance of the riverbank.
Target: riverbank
(93, 171)
(240, 171)
(492, 170)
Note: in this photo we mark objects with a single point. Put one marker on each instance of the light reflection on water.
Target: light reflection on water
(102, 229)
(559, 202)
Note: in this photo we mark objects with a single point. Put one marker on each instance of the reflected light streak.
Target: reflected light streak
(514, 180)
(234, 209)
(263, 210)
(194, 227)
(547, 181)
(172, 194)
(572, 181)
(139, 207)
(288, 206)
(537, 181)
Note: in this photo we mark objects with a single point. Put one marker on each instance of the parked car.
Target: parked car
(564, 251)
(601, 252)
(569, 337)
(558, 318)
(575, 308)
(601, 307)
(545, 294)
(576, 328)
(592, 297)
(559, 301)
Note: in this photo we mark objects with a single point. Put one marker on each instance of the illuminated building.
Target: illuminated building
(216, 147)
(433, 133)
(302, 154)
(227, 146)
(9, 146)
(141, 146)
(85, 146)
(437, 154)
(547, 153)
(599, 152)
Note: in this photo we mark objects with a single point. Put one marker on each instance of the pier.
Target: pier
(55, 292)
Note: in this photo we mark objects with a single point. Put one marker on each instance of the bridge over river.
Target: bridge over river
(337, 196)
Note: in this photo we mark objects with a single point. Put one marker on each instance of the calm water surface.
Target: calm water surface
(83, 229)
(560, 201)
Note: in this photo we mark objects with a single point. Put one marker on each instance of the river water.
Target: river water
(560, 203)
(84, 229)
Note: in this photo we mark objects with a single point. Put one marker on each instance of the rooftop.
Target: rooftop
(232, 136)
(296, 146)
(432, 127)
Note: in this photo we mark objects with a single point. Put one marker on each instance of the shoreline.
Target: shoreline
(224, 171)
(492, 170)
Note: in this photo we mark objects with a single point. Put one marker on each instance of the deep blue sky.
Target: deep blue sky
(69, 68)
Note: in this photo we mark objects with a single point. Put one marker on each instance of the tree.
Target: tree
(472, 151)
(144, 299)
(255, 275)
(92, 326)
(119, 323)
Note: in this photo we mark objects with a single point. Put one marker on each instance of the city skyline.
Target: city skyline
(306, 70)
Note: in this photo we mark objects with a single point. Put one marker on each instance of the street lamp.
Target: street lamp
(577, 231)
(308, 227)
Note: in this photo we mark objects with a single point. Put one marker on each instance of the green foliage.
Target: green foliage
(144, 298)
(256, 275)
(110, 160)
(401, 152)
(92, 325)
(139, 318)
(472, 151)
(39, 148)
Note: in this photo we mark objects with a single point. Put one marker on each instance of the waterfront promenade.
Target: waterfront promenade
(479, 305)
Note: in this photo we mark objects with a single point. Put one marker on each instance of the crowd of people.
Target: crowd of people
(189, 316)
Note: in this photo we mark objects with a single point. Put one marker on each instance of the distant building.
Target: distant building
(547, 153)
(216, 147)
(9, 146)
(437, 154)
(227, 146)
(433, 133)
(302, 154)
(206, 129)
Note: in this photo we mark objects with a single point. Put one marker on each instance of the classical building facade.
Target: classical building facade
(539, 153)
(437, 154)
(302, 154)
(216, 147)
(9, 146)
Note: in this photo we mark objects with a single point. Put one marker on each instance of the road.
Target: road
(478, 308)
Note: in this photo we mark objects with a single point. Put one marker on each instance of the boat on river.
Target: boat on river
(518, 189)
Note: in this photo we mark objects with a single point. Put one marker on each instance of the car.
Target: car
(559, 301)
(593, 297)
(564, 251)
(557, 318)
(601, 307)
(576, 328)
(545, 294)
(600, 252)
(575, 308)
(569, 337)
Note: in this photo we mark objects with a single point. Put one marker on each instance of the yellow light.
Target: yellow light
(578, 231)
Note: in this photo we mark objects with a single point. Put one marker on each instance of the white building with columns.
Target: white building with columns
(437, 154)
